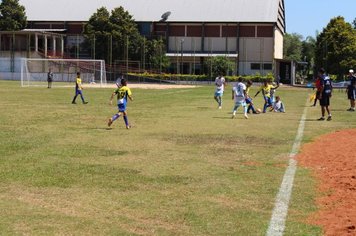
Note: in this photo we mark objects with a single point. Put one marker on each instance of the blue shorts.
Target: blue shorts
(122, 106)
(268, 101)
(240, 103)
(78, 92)
(248, 100)
(218, 93)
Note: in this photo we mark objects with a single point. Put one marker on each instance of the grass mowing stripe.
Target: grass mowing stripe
(279, 215)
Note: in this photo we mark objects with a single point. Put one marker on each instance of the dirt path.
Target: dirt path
(332, 158)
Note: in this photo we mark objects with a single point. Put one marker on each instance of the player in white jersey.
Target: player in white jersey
(219, 90)
(239, 95)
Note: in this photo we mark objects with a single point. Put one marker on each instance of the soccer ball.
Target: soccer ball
(258, 110)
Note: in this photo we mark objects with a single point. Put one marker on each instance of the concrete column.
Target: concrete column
(62, 46)
(54, 45)
(45, 46)
(36, 42)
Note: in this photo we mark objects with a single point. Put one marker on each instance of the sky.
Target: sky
(306, 17)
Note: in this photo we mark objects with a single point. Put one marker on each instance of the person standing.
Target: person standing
(325, 94)
(50, 78)
(219, 90)
(239, 95)
(78, 89)
(351, 90)
(123, 93)
(318, 86)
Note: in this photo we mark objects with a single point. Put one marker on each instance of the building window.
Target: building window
(267, 66)
(176, 30)
(212, 31)
(255, 66)
(265, 31)
(194, 31)
(229, 31)
(247, 31)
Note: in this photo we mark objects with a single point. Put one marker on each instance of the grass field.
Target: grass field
(185, 167)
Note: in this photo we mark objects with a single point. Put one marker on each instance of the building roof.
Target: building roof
(152, 10)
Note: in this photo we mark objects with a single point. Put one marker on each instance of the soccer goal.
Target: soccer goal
(34, 71)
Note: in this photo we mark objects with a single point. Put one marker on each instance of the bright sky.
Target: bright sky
(305, 17)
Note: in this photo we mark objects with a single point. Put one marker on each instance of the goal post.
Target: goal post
(34, 71)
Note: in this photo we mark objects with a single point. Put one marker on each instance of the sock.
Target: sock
(265, 107)
(115, 117)
(252, 108)
(126, 121)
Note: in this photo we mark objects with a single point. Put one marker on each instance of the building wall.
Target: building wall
(256, 49)
(203, 38)
(278, 44)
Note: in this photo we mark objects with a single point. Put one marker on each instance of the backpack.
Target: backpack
(327, 85)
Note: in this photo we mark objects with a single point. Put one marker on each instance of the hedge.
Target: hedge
(182, 77)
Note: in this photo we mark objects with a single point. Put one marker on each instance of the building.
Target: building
(249, 32)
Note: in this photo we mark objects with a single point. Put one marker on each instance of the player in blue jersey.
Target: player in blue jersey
(325, 94)
(123, 93)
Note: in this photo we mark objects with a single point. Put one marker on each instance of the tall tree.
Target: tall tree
(12, 15)
(156, 49)
(113, 36)
(354, 23)
(308, 55)
(336, 47)
(97, 34)
(292, 47)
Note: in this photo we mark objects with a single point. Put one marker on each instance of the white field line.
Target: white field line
(277, 224)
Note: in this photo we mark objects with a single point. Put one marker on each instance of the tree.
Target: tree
(156, 54)
(354, 23)
(113, 36)
(308, 55)
(12, 16)
(292, 47)
(97, 34)
(219, 65)
(336, 47)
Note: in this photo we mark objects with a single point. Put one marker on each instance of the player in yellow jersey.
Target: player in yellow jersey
(78, 89)
(123, 92)
(266, 91)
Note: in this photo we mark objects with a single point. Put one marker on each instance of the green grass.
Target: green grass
(185, 168)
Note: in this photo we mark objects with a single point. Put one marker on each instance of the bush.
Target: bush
(180, 77)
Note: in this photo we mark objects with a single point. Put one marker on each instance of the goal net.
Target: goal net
(34, 71)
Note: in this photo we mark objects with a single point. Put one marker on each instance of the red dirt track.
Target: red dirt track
(332, 158)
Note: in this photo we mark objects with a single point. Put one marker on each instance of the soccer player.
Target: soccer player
(123, 92)
(78, 89)
(239, 95)
(249, 99)
(266, 91)
(351, 90)
(325, 94)
(219, 90)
